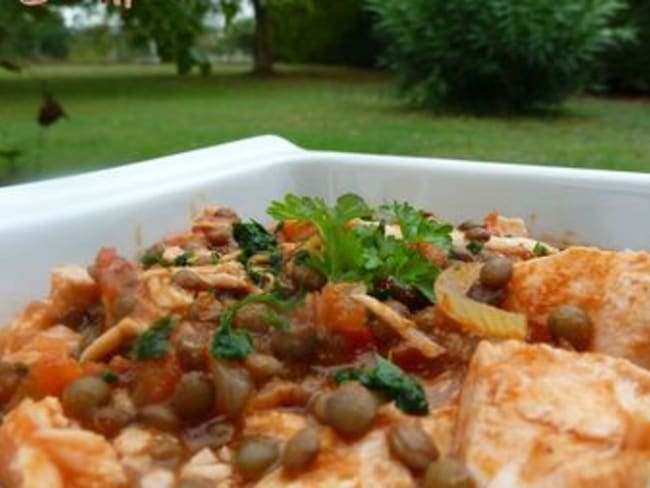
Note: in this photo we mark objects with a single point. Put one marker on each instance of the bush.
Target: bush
(628, 66)
(495, 54)
(324, 31)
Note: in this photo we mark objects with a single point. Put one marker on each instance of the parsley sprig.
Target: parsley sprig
(341, 257)
(416, 227)
(365, 253)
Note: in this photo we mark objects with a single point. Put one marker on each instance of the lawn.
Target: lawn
(120, 114)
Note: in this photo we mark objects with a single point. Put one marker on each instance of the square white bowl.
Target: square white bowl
(66, 220)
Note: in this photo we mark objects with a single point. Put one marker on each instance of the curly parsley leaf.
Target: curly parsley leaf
(365, 253)
(340, 259)
(388, 258)
(416, 227)
(154, 342)
(389, 379)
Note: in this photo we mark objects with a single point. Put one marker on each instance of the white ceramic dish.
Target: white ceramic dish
(66, 220)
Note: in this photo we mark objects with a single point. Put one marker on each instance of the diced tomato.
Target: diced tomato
(337, 311)
(297, 230)
(93, 369)
(155, 381)
(115, 275)
(49, 377)
(120, 364)
(180, 239)
(491, 222)
(305, 313)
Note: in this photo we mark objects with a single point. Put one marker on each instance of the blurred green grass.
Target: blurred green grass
(120, 114)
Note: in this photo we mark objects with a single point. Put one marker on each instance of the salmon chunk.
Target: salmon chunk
(537, 416)
(41, 448)
(612, 287)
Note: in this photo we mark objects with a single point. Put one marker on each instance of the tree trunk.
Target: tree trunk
(262, 49)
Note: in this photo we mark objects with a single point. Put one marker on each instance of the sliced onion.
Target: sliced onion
(475, 317)
(403, 326)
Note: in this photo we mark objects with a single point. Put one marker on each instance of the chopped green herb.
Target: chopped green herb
(474, 247)
(154, 342)
(389, 379)
(234, 344)
(214, 258)
(109, 377)
(540, 249)
(253, 238)
(184, 259)
(152, 257)
(275, 261)
(347, 374)
(301, 257)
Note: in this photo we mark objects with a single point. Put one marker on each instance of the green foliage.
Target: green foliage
(325, 31)
(237, 37)
(175, 27)
(495, 54)
(31, 33)
(99, 44)
(390, 380)
(628, 66)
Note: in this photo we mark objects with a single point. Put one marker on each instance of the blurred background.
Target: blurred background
(559, 82)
